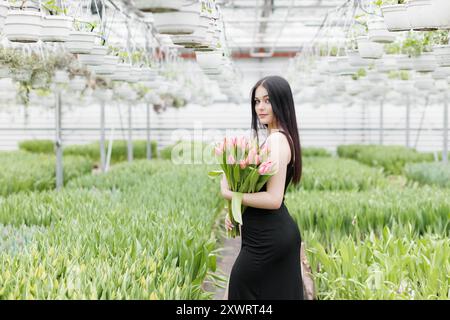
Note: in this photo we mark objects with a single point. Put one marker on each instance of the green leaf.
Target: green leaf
(236, 203)
(215, 173)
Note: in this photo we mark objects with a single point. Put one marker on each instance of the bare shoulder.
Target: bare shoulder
(279, 146)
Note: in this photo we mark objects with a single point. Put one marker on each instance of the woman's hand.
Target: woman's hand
(228, 224)
(226, 192)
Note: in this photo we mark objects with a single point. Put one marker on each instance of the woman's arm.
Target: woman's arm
(273, 196)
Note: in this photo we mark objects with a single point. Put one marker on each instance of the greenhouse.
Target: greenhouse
(139, 139)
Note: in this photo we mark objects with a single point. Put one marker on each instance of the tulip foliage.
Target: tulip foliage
(247, 168)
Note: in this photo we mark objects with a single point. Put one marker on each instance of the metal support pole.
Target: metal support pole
(102, 136)
(130, 134)
(58, 142)
(149, 143)
(408, 112)
(445, 140)
(381, 121)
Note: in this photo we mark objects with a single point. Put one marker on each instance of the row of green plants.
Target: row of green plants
(389, 243)
(437, 174)
(391, 158)
(24, 172)
(321, 173)
(381, 267)
(92, 150)
(146, 239)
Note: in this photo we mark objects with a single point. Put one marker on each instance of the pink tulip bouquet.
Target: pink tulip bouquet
(247, 168)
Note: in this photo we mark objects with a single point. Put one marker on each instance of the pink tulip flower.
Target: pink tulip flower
(243, 164)
(265, 167)
(231, 160)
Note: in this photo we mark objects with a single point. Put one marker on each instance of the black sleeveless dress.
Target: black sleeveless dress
(268, 265)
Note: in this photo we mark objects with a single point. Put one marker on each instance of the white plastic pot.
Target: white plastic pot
(148, 74)
(396, 17)
(209, 60)
(4, 6)
(355, 60)
(422, 15)
(108, 66)
(23, 26)
(4, 72)
(442, 54)
(56, 28)
(81, 42)
(61, 77)
(368, 49)
(440, 73)
(195, 39)
(78, 83)
(185, 21)
(95, 58)
(122, 72)
(425, 62)
(378, 31)
(442, 9)
(344, 68)
(424, 83)
(158, 6)
(404, 62)
(387, 64)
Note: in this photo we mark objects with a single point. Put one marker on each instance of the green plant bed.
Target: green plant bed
(189, 152)
(151, 240)
(391, 158)
(315, 152)
(123, 175)
(338, 174)
(429, 173)
(92, 150)
(381, 267)
(23, 171)
(336, 214)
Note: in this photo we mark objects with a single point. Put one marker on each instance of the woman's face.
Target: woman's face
(263, 108)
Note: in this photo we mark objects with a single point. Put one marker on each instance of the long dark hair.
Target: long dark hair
(282, 101)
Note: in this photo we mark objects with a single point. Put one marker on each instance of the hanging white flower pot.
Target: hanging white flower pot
(368, 49)
(422, 15)
(4, 72)
(353, 87)
(404, 62)
(378, 31)
(195, 39)
(81, 42)
(148, 74)
(78, 83)
(56, 28)
(135, 74)
(426, 62)
(61, 77)
(396, 17)
(442, 9)
(387, 64)
(209, 60)
(22, 75)
(103, 94)
(355, 60)
(23, 26)
(185, 21)
(95, 58)
(158, 6)
(442, 54)
(122, 73)
(344, 68)
(4, 6)
(424, 83)
(441, 73)
(107, 67)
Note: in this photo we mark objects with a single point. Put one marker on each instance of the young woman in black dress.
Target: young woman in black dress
(268, 265)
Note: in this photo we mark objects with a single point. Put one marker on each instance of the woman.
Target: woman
(268, 265)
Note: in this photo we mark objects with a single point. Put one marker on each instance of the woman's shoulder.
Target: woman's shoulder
(278, 141)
